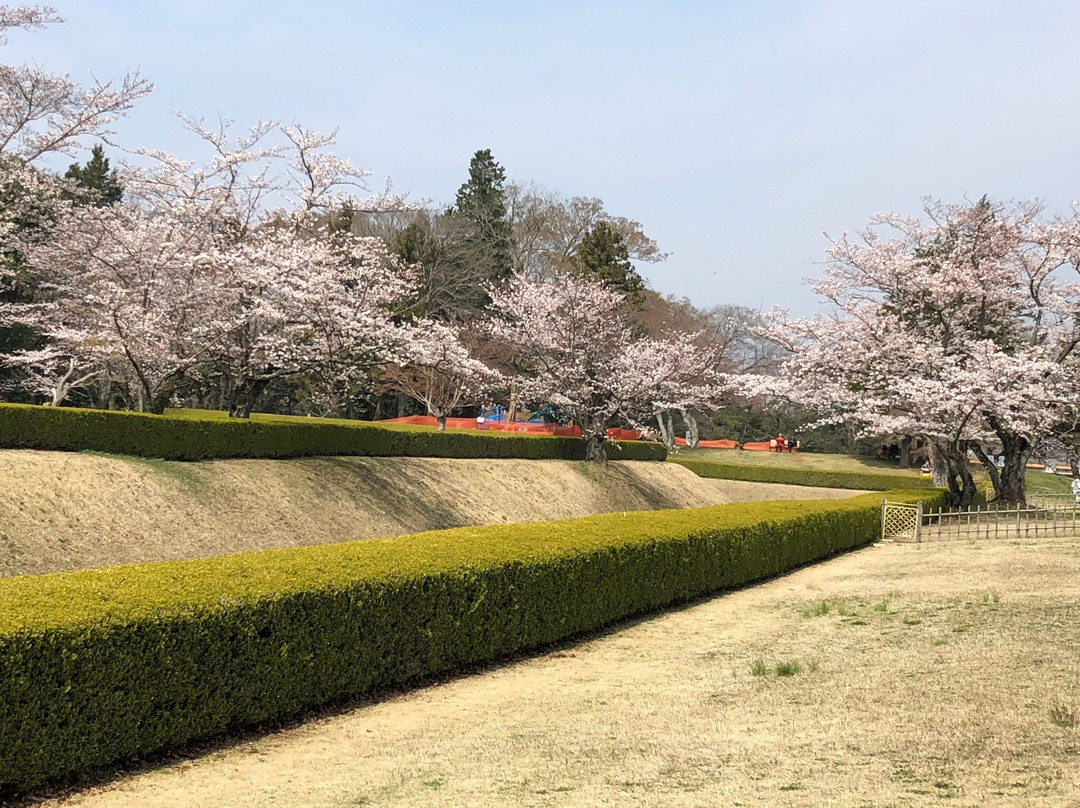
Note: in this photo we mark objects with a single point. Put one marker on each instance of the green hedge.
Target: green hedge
(102, 665)
(185, 437)
(866, 481)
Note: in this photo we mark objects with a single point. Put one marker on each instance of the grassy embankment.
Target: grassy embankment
(66, 511)
(1039, 483)
(797, 460)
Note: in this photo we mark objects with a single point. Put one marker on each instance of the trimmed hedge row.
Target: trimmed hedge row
(867, 481)
(184, 437)
(102, 665)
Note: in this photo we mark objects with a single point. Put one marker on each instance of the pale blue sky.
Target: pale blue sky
(734, 131)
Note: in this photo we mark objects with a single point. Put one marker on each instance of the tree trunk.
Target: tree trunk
(665, 431)
(1016, 451)
(596, 446)
(440, 423)
(1012, 487)
(905, 452)
(401, 405)
(939, 467)
(951, 470)
(162, 396)
(991, 469)
(158, 405)
(245, 396)
(512, 409)
(693, 435)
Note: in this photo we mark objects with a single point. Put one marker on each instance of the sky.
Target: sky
(737, 133)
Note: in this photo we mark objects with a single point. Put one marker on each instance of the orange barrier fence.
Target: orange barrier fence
(517, 426)
(710, 444)
(615, 433)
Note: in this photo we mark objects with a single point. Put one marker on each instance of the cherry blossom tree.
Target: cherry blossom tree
(42, 114)
(582, 352)
(436, 366)
(239, 269)
(724, 344)
(129, 283)
(296, 305)
(960, 329)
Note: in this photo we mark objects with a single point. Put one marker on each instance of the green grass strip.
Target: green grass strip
(865, 481)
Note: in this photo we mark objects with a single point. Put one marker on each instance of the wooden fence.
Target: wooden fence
(915, 523)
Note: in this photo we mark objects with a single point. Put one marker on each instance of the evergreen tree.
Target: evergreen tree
(102, 184)
(481, 201)
(603, 253)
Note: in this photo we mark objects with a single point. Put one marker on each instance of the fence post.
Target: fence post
(883, 501)
(918, 521)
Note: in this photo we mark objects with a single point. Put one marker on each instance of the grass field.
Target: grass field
(900, 676)
(1038, 482)
(1041, 483)
(797, 460)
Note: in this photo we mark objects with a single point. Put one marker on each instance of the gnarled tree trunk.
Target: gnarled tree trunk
(951, 470)
(990, 466)
(693, 434)
(596, 446)
(667, 430)
(1012, 487)
(1016, 451)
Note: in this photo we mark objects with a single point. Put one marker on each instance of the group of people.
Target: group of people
(783, 444)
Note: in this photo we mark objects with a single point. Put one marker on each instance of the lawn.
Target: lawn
(1039, 483)
(798, 460)
(904, 675)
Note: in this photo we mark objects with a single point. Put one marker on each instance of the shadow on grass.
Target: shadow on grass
(181, 471)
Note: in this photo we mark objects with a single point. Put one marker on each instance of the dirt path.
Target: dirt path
(942, 674)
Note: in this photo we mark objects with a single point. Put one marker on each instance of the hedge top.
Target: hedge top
(194, 435)
(139, 591)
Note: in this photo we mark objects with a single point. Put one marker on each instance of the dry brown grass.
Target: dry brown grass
(63, 511)
(930, 676)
